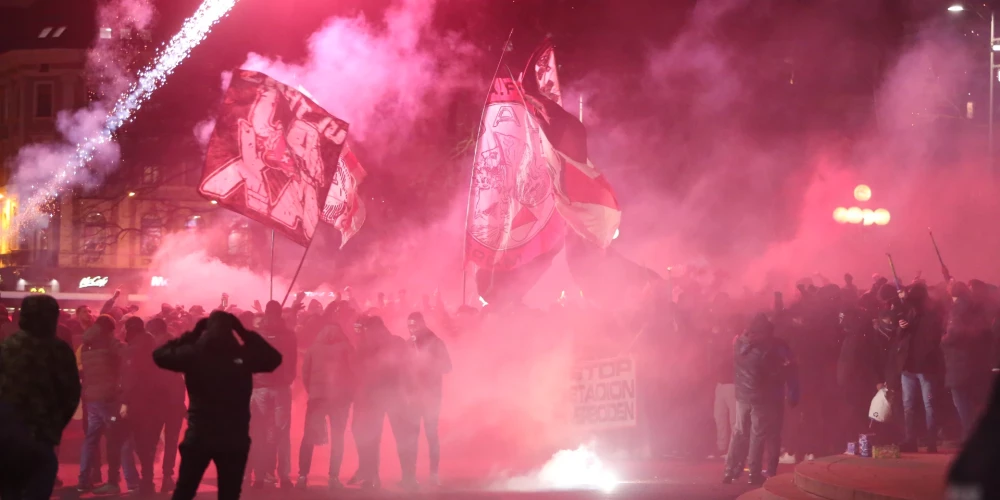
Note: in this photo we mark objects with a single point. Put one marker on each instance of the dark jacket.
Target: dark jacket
(431, 363)
(919, 344)
(382, 367)
(281, 338)
(764, 367)
(40, 381)
(171, 384)
(326, 366)
(140, 390)
(219, 383)
(861, 362)
(966, 346)
(101, 360)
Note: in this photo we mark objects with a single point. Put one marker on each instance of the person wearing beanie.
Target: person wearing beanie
(40, 386)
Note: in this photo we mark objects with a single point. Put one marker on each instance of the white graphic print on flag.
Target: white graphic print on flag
(344, 208)
(511, 206)
(272, 155)
(583, 196)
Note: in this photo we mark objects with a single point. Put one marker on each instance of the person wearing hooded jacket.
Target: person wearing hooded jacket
(431, 362)
(966, 348)
(764, 368)
(171, 412)
(271, 404)
(921, 362)
(40, 384)
(141, 398)
(218, 373)
(329, 381)
(382, 369)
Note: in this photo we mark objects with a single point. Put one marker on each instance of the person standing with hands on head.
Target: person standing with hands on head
(764, 368)
(218, 372)
(431, 363)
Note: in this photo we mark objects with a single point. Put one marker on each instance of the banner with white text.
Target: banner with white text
(603, 394)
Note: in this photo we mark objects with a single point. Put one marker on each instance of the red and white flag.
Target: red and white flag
(273, 155)
(512, 211)
(344, 208)
(584, 197)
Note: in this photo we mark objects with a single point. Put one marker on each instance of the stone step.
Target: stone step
(780, 487)
(847, 477)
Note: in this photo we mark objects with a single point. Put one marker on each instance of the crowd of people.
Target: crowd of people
(138, 379)
(782, 381)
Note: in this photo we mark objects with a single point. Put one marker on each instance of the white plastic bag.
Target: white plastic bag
(880, 410)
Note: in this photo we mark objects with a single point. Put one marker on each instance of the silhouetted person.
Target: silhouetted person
(381, 368)
(973, 474)
(329, 380)
(966, 346)
(141, 398)
(218, 373)
(40, 386)
(763, 368)
(431, 363)
(171, 405)
(271, 404)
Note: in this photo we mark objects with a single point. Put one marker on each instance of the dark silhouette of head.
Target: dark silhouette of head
(157, 327)
(39, 315)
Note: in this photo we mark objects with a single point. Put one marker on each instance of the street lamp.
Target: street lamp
(994, 47)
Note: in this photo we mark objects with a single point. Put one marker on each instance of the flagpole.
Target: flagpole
(472, 177)
(297, 270)
(270, 295)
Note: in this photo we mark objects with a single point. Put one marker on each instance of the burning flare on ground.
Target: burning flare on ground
(579, 469)
(194, 31)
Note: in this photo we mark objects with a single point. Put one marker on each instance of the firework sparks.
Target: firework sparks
(192, 33)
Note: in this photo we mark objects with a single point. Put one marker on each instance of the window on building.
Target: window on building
(150, 175)
(106, 33)
(44, 105)
(95, 234)
(151, 234)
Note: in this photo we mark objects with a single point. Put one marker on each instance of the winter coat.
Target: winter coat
(281, 338)
(763, 368)
(326, 366)
(382, 367)
(39, 379)
(431, 362)
(861, 361)
(219, 384)
(919, 344)
(100, 361)
(140, 391)
(170, 384)
(966, 346)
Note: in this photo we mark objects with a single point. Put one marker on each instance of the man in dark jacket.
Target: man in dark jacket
(101, 361)
(431, 363)
(171, 406)
(381, 368)
(763, 369)
(919, 358)
(271, 404)
(141, 397)
(218, 373)
(39, 382)
(966, 347)
(328, 378)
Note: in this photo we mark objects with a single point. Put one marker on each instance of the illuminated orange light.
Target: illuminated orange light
(840, 215)
(862, 192)
(855, 215)
(215, 202)
(882, 217)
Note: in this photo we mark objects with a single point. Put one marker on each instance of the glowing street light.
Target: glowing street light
(214, 202)
(840, 215)
(855, 215)
(131, 194)
(882, 217)
(956, 8)
(862, 192)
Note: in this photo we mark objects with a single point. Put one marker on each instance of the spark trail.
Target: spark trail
(192, 33)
